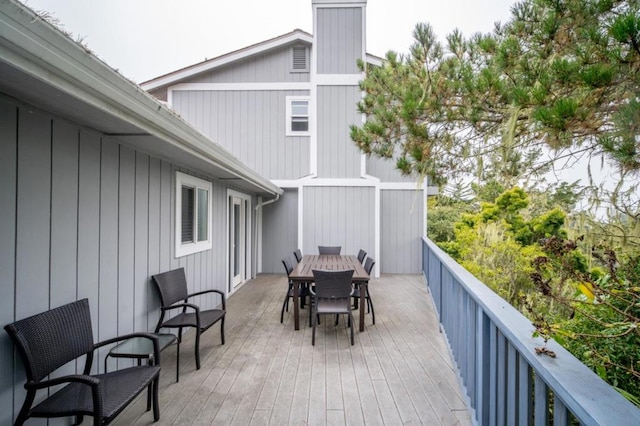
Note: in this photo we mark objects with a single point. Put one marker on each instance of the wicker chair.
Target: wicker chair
(172, 286)
(361, 255)
(288, 264)
(332, 295)
(298, 254)
(51, 339)
(329, 249)
(368, 266)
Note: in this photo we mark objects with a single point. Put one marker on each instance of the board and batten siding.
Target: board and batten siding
(339, 40)
(341, 216)
(273, 66)
(84, 216)
(280, 237)
(402, 213)
(385, 170)
(251, 125)
(338, 156)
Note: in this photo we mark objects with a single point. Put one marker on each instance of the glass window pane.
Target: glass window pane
(203, 217)
(187, 214)
(299, 107)
(299, 124)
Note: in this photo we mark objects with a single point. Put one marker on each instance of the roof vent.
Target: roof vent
(300, 61)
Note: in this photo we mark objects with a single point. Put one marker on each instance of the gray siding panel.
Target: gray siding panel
(274, 66)
(84, 216)
(251, 125)
(338, 156)
(341, 216)
(8, 155)
(280, 231)
(402, 220)
(339, 35)
(385, 170)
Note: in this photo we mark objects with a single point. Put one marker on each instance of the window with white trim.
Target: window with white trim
(193, 214)
(298, 116)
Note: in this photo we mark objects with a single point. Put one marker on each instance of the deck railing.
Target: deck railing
(493, 346)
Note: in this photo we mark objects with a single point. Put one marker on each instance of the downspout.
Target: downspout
(273, 200)
(258, 231)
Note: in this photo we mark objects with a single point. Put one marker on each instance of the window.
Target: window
(299, 59)
(193, 214)
(297, 116)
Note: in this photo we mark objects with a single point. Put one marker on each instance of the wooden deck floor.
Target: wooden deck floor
(398, 372)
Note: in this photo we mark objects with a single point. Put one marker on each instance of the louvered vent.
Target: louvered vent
(299, 58)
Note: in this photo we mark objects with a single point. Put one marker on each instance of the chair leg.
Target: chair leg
(285, 304)
(156, 406)
(373, 312)
(222, 330)
(352, 327)
(313, 330)
(197, 348)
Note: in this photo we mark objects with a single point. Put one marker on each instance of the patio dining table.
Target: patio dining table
(303, 273)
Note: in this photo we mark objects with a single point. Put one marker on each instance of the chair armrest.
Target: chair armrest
(78, 378)
(221, 293)
(150, 336)
(182, 305)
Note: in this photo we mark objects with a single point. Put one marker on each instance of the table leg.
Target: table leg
(363, 304)
(296, 305)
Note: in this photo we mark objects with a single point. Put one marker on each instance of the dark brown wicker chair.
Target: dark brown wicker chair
(288, 264)
(172, 286)
(368, 266)
(332, 295)
(329, 249)
(361, 255)
(298, 254)
(50, 340)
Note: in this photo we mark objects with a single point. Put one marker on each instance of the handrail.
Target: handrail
(505, 380)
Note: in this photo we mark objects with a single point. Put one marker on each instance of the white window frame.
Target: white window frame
(290, 100)
(183, 180)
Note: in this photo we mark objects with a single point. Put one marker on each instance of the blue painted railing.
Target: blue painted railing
(505, 381)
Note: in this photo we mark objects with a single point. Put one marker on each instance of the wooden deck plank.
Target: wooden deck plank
(398, 371)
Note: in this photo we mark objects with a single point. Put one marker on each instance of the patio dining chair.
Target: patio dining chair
(368, 266)
(172, 286)
(332, 295)
(329, 249)
(51, 339)
(361, 255)
(288, 264)
(298, 254)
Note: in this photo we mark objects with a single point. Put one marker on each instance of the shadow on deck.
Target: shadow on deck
(398, 372)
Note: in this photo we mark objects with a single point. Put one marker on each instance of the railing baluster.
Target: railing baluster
(541, 402)
(525, 385)
(512, 371)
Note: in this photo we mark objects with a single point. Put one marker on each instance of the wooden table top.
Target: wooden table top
(303, 271)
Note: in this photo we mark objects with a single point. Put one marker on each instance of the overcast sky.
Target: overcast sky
(144, 39)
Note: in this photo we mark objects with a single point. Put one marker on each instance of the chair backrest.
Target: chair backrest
(288, 266)
(332, 284)
(298, 254)
(329, 249)
(172, 286)
(368, 265)
(51, 339)
(361, 255)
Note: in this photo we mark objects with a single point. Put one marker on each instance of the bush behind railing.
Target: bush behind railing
(506, 381)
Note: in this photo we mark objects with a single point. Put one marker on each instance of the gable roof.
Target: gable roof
(43, 67)
(294, 37)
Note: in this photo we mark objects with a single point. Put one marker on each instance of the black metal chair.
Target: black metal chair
(288, 264)
(361, 255)
(51, 339)
(332, 295)
(368, 266)
(172, 286)
(329, 249)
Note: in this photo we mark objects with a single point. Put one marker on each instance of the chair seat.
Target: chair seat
(119, 388)
(333, 306)
(207, 319)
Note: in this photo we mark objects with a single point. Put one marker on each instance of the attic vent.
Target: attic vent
(299, 59)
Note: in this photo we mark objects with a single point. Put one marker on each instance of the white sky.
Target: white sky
(144, 39)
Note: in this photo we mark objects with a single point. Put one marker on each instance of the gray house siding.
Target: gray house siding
(274, 66)
(84, 216)
(337, 215)
(251, 125)
(385, 170)
(280, 233)
(338, 157)
(339, 35)
(401, 224)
